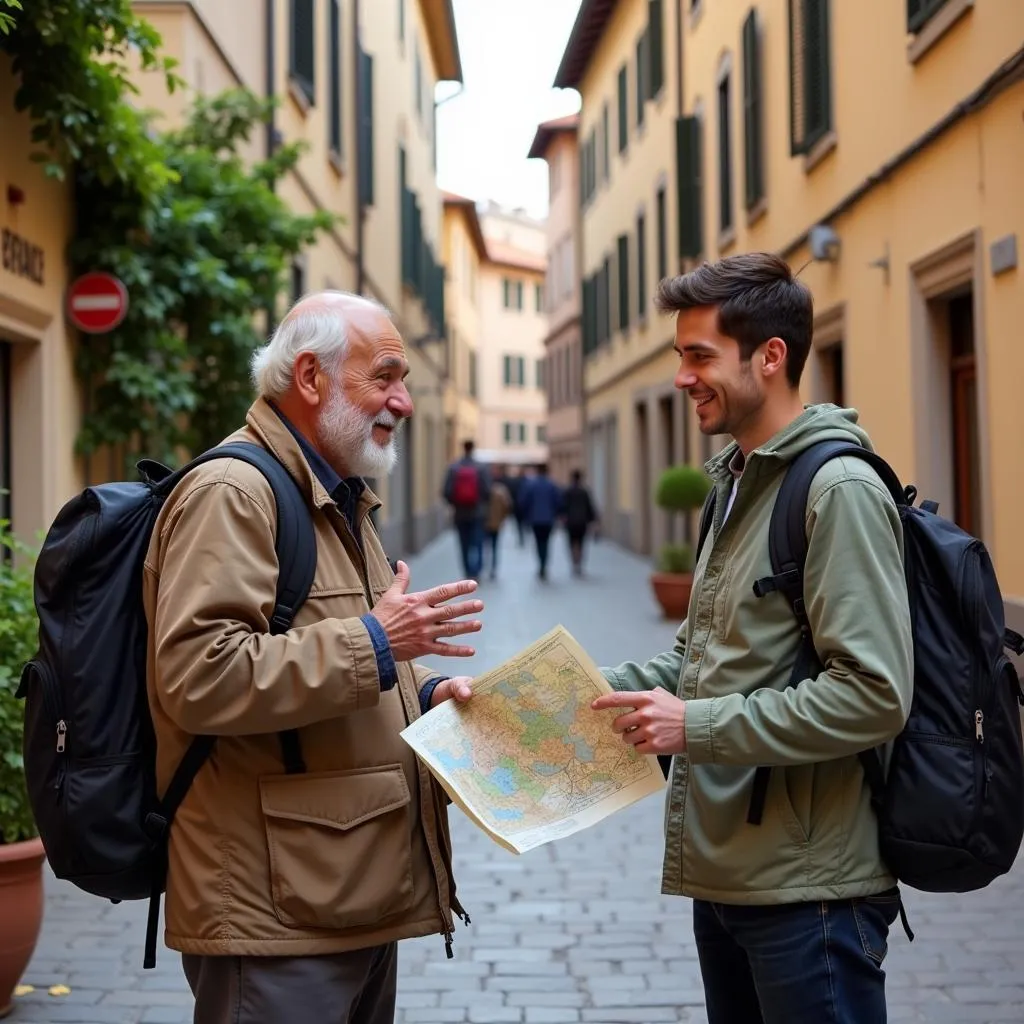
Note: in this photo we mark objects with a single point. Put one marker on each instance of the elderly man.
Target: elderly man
(287, 892)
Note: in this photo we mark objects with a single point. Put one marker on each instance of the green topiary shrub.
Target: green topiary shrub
(18, 637)
(682, 488)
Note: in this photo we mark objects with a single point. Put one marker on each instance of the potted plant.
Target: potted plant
(21, 851)
(680, 489)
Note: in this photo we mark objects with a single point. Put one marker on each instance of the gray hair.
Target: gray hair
(318, 327)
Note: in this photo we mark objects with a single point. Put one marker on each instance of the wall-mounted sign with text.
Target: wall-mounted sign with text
(20, 257)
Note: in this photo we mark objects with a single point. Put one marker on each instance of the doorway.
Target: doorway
(963, 389)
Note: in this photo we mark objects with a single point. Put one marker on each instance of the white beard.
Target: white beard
(345, 435)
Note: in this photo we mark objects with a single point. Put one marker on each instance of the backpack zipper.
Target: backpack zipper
(52, 704)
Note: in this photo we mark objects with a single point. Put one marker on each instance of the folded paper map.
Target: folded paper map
(525, 757)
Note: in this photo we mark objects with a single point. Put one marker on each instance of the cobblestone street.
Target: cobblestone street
(571, 932)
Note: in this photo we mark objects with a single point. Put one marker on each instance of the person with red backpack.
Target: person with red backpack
(467, 488)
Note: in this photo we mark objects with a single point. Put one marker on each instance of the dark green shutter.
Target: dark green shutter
(623, 255)
(689, 186)
(334, 48)
(641, 78)
(366, 159)
(662, 234)
(919, 11)
(656, 46)
(303, 47)
(606, 144)
(641, 265)
(407, 199)
(606, 305)
(810, 91)
(623, 110)
(724, 154)
(588, 344)
(507, 370)
(753, 155)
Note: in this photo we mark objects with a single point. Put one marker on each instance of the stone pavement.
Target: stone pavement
(571, 932)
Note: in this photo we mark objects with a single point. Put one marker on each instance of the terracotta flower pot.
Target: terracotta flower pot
(21, 912)
(672, 589)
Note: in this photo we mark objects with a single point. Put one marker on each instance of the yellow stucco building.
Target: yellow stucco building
(355, 81)
(876, 146)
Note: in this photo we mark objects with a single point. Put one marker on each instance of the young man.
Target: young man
(580, 515)
(791, 915)
(296, 866)
(467, 488)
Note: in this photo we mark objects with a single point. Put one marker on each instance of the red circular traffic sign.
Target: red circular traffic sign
(97, 302)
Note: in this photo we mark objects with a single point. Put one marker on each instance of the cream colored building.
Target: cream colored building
(39, 397)
(623, 58)
(464, 251)
(556, 142)
(896, 192)
(513, 325)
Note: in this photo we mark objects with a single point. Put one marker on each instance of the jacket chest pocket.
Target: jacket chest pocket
(339, 845)
(333, 602)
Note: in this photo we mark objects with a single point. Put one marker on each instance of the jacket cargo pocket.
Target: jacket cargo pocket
(340, 846)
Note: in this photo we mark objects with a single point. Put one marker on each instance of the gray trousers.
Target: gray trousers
(342, 988)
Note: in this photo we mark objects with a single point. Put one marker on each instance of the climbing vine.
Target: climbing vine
(197, 234)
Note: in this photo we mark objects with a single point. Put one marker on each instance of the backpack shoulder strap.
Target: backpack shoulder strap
(787, 534)
(295, 546)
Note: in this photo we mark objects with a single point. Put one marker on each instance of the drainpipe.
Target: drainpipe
(357, 65)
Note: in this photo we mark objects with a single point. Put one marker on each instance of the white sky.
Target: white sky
(510, 52)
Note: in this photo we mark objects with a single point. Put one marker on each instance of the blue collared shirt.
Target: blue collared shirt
(345, 492)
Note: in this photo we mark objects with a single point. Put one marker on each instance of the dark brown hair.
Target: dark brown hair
(757, 298)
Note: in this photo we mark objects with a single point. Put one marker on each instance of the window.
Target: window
(641, 266)
(623, 247)
(335, 139)
(689, 186)
(753, 139)
(302, 54)
(541, 377)
(921, 11)
(522, 433)
(514, 371)
(298, 282)
(506, 432)
(365, 112)
(542, 433)
(662, 234)
(810, 91)
(538, 297)
(724, 157)
(472, 375)
(623, 110)
(655, 47)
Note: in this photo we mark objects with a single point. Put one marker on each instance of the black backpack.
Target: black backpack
(89, 745)
(951, 808)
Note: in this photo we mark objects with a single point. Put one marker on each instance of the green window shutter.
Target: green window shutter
(538, 297)
(417, 246)
(606, 144)
(920, 11)
(366, 160)
(689, 186)
(334, 113)
(521, 371)
(641, 266)
(655, 46)
(587, 330)
(302, 52)
(401, 20)
(507, 370)
(662, 234)
(519, 295)
(623, 109)
(810, 90)
(623, 247)
(724, 154)
(753, 147)
(606, 299)
(641, 78)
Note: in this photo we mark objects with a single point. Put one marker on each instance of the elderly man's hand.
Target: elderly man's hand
(415, 623)
(459, 688)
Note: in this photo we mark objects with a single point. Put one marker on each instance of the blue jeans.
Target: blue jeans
(471, 543)
(797, 963)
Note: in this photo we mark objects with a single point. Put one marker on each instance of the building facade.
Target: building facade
(355, 83)
(513, 326)
(894, 194)
(556, 142)
(39, 396)
(625, 59)
(464, 251)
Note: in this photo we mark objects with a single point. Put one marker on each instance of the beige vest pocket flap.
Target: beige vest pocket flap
(338, 800)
